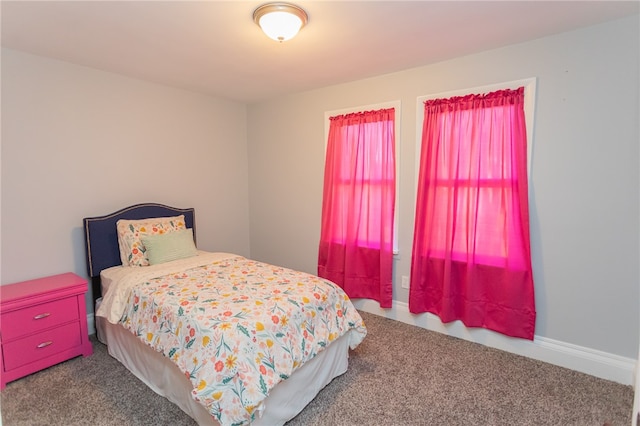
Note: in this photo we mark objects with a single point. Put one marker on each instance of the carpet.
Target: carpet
(401, 375)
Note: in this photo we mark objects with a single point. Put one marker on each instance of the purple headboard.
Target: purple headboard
(101, 239)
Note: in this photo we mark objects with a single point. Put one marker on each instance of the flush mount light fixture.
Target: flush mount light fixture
(280, 21)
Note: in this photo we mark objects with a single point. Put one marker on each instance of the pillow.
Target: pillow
(132, 251)
(170, 246)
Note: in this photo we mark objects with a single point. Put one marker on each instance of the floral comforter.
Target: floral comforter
(237, 327)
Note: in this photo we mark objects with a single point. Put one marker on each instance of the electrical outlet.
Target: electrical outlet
(405, 281)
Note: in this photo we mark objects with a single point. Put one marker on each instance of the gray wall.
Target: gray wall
(584, 185)
(78, 142)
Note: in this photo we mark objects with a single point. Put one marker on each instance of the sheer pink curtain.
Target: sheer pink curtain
(356, 239)
(471, 256)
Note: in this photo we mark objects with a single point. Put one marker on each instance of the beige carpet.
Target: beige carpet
(399, 375)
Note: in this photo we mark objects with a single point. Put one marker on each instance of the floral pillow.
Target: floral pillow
(130, 232)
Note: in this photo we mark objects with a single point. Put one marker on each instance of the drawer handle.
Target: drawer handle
(44, 344)
(40, 316)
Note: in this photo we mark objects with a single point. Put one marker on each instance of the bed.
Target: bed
(230, 340)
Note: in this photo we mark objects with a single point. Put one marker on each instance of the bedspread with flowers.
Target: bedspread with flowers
(238, 327)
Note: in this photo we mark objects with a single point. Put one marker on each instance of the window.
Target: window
(375, 179)
(477, 186)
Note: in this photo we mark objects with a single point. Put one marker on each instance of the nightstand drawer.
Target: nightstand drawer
(41, 345)
(38, 317)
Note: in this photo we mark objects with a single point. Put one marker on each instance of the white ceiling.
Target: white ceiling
(214, 47)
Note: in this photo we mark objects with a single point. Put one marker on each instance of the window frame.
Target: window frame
(529, 85)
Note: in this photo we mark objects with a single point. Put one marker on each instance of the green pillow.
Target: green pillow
(169, 246)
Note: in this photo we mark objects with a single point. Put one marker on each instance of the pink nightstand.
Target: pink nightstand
(42, 322)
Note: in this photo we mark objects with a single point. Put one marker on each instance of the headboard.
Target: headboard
(101, 238)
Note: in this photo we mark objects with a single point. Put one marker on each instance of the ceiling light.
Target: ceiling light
(280, 21)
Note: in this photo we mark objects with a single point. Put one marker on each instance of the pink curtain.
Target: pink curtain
(356, 239)
(471, 256)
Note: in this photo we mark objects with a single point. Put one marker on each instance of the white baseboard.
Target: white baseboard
(590, 361)
(91, 324)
